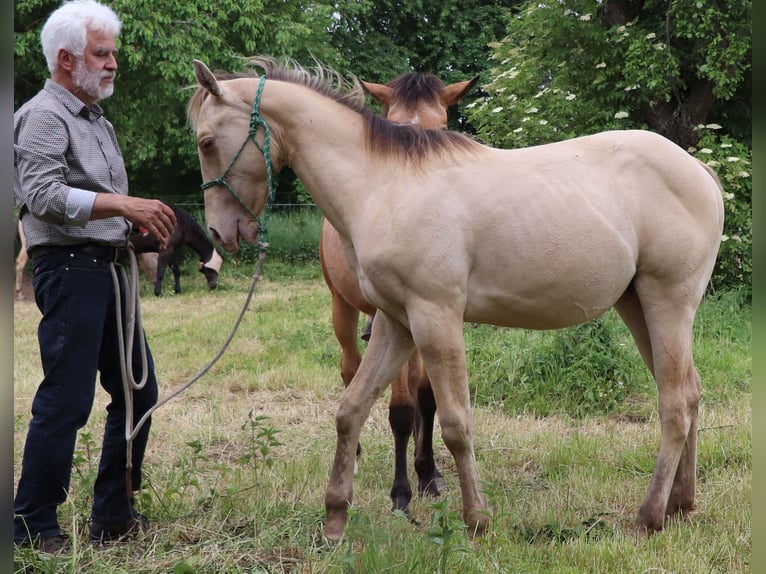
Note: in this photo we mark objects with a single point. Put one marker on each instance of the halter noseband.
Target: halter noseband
(256, 120)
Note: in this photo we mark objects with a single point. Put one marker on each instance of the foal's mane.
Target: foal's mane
(406, 143)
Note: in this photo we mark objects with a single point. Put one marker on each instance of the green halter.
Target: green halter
(256, 120)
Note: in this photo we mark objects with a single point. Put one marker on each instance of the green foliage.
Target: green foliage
(586, 370)
(382, 39)
(567, 69)
(448, 532)
(293, 237)
(732, 162)
(262, 439)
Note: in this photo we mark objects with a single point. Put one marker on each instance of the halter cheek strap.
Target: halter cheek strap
(256, 120)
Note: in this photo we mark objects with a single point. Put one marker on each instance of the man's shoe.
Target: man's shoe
(49, 545)
(53, 544)
(109, 532)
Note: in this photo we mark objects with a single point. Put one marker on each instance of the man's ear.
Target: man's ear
(66, 60)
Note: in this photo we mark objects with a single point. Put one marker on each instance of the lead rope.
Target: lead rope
(133, 306)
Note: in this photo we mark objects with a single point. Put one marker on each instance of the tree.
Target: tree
(381, 39)
(681, 68)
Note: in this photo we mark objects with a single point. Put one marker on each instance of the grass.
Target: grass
(237, 465)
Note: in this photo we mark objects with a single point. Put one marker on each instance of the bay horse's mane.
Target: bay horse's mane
(412, 88)
(407, 143)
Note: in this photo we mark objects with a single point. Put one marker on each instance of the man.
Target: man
(71, 187)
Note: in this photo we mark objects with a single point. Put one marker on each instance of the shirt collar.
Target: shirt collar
(74, 104)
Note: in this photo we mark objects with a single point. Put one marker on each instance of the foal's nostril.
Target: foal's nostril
(214, 234)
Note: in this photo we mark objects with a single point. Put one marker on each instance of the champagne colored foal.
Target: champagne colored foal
(440, 229)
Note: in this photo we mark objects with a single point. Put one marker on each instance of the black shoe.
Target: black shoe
(109, 532)
(55, 544)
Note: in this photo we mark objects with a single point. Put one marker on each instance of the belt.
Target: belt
(102, 252)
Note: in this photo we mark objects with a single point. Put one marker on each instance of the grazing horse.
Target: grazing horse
(412, 98)
(440, 229)
(187, 232)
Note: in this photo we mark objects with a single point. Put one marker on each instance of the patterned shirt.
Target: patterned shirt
(64, 153)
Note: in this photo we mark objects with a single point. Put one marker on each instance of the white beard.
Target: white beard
(89, 81)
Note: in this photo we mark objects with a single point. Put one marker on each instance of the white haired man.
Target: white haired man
(71, 187)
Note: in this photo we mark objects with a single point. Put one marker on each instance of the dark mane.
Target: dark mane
(411, 144)
(412, 88)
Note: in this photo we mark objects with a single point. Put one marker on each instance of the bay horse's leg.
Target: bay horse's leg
(345, 323)
(390, 347)
(430, 480)
(439, 338)
(668, 318)
(401, 418)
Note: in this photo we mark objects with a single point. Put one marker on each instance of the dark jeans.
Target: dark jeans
(78, 338)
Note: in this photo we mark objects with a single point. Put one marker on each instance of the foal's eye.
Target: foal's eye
(206, 144)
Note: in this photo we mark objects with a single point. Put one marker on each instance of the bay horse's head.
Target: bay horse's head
(418, 99)
(219, 112)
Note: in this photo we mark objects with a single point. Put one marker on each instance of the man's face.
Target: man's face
(95, 70)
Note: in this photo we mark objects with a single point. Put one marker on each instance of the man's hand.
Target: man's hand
(153, 215)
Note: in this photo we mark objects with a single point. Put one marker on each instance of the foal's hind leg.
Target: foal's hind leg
(667, 326)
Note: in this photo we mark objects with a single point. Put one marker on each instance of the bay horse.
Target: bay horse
(187, 232)
(440, 229)
(417, 99)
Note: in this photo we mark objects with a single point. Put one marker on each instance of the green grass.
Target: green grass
(237, 465)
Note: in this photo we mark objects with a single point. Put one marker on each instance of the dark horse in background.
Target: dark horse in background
(187, 232)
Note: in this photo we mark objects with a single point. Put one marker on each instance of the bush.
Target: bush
(589, 369)
(293, 237)
(731, 160)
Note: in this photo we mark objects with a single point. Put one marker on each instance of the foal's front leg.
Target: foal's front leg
(390, 347)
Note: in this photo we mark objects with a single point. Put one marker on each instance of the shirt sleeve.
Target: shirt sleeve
(41, 144)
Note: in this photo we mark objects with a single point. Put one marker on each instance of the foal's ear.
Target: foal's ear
(206, 79)
(381, 93)
(453, 93)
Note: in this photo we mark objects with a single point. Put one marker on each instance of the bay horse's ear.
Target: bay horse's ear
(381, 93)
(453, 93)
(206, 79)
